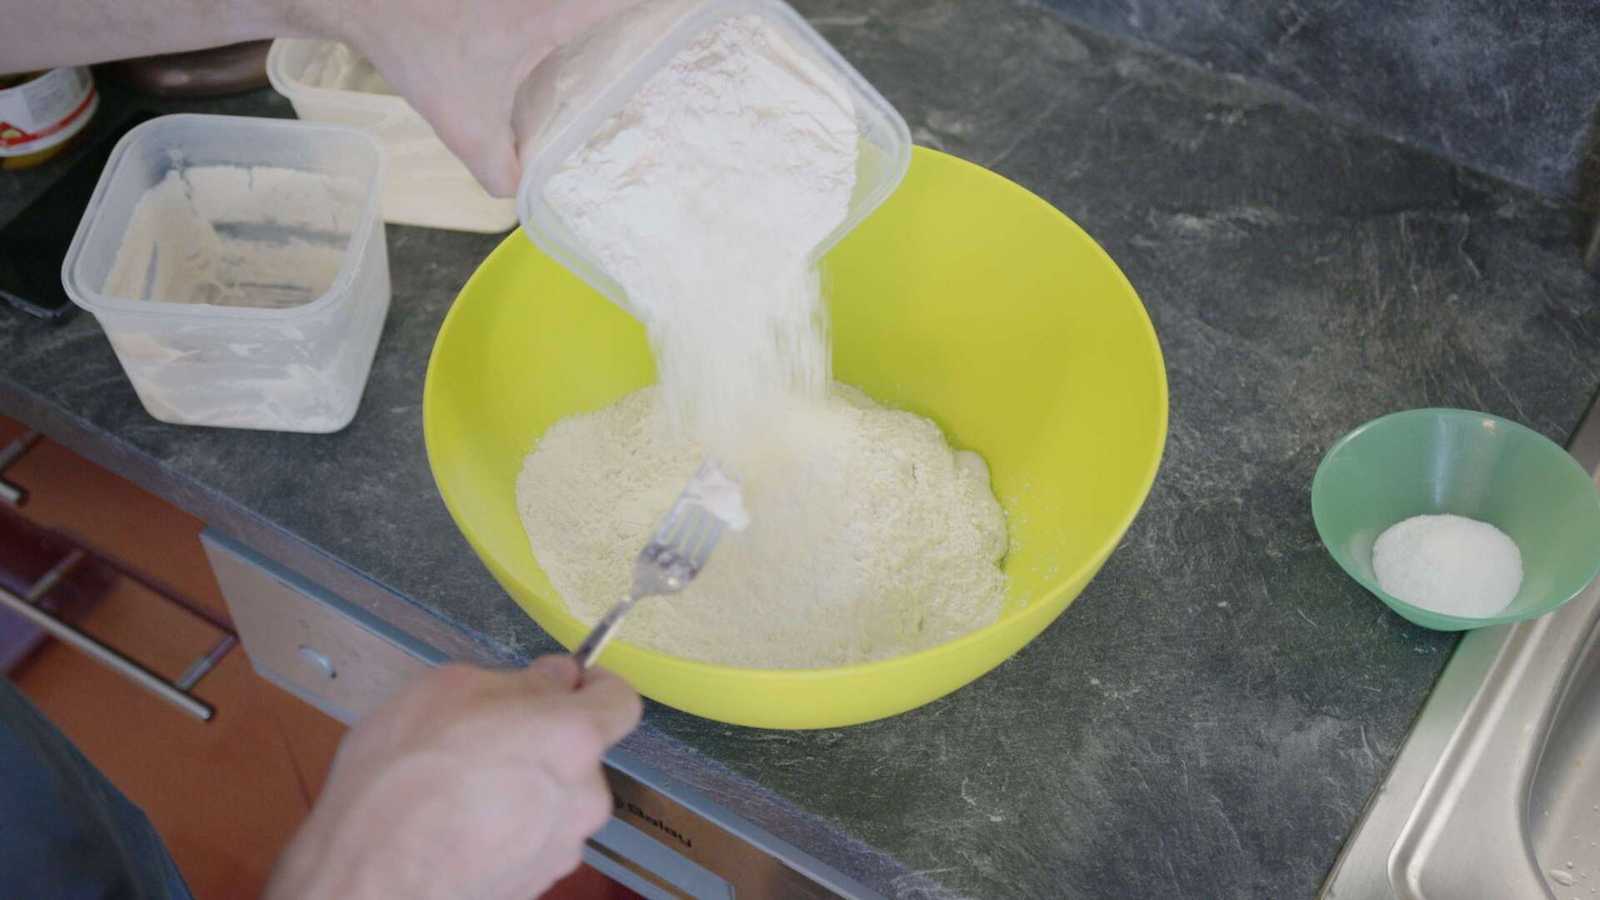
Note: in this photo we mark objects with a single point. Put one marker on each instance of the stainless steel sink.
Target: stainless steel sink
(1496, 792)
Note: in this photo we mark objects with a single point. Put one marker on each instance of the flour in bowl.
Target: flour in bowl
(869, 537)
(706, 198)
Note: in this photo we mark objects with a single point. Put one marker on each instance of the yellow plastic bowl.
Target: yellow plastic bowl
(964, 298)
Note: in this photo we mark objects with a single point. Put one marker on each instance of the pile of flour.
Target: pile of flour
(236, 236)
(706, 198)
(869, 537)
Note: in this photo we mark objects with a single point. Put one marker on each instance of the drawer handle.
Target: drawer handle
(318, 661)
(10, 493)
(177, 695)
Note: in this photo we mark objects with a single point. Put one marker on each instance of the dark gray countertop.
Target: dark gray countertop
(1509, 88)
(1209, 718)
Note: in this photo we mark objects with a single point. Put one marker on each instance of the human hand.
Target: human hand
(460, 64)
(470, 783)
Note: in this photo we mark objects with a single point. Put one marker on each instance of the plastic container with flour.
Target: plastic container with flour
(573, 92)
(239, 269)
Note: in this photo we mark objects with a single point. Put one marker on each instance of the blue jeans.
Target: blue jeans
(65, 832)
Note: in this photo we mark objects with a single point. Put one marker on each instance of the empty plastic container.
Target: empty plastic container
(254, 283)
(426, 184)
(575, 90)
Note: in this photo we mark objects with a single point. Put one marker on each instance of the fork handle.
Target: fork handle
(603, 631)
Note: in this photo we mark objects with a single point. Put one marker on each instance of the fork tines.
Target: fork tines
(690, 532)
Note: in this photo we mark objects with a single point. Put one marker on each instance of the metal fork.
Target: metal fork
(671, 559)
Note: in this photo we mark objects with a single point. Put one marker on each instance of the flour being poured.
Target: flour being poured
(706, 198)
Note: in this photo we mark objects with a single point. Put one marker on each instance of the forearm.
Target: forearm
(39, 34)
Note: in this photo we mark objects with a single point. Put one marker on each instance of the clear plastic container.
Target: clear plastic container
(426, 184)
(301, 366)
(577, 88)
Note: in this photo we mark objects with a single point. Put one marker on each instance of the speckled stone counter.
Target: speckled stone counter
(1209, 718)
(1509, 88)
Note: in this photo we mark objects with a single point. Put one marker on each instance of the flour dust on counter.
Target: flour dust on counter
(706, 197)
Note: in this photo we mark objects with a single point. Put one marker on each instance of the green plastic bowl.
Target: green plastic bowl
(1433, 461)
